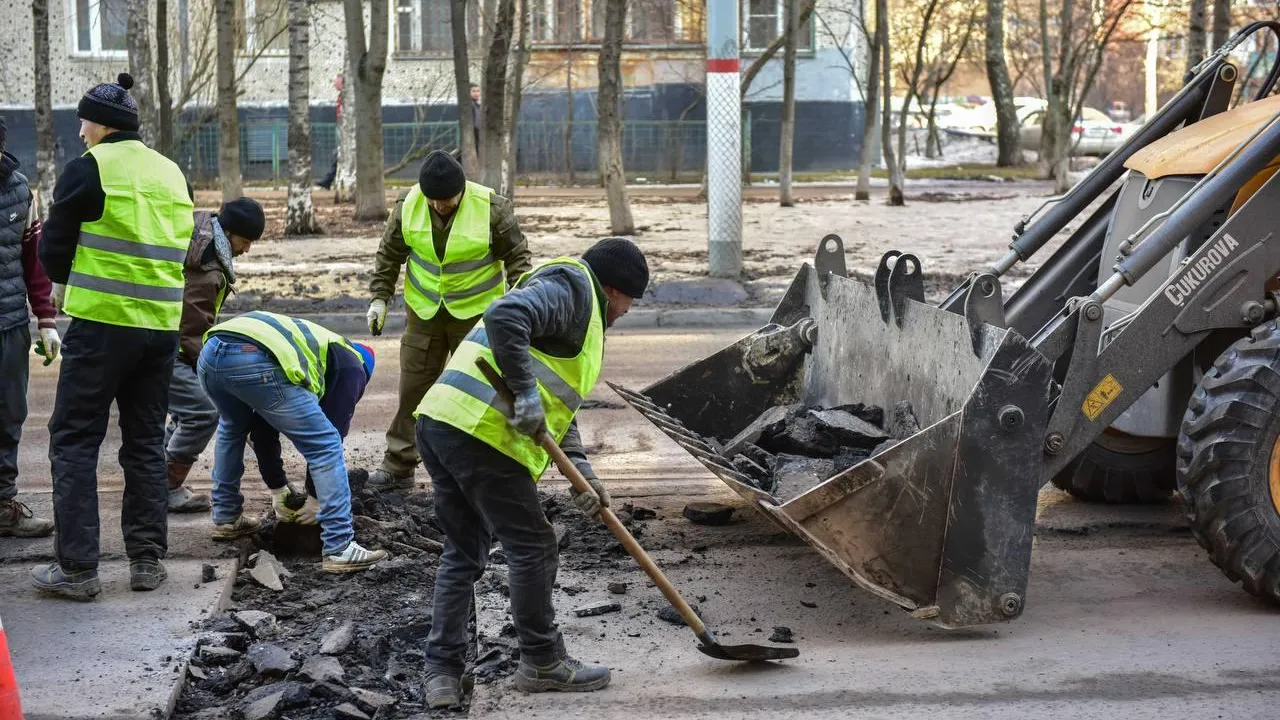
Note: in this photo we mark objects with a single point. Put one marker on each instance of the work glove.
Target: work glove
(49, 345)
(377, 316)
(58, 295)
(590, 503)
(529, 418)
(310, 509)
(288, 502)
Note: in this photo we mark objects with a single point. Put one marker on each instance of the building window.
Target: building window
(652, 21)
(425, 27)
(649, 22)
(764, 21)
(263, 26)
(557, 22)
(100, 25)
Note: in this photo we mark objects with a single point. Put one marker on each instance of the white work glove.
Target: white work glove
(58, 295)
(50, 345)
(590, 503)
(528, 416)
(287, 502)
(377, 316)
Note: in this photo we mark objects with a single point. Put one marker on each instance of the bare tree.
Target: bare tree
(1196, 25)
(1084, 32)
(300, 216)
(493, 111)
(1009, 149)
(164, 95)
(848, 34)
(1221, 23)
(786, 141)
(46, 168)
(886, 112)
(749, 75)
(462, 81)
(568, 122)
(138, 43)
(369, 61)
(609, 129)
(228, 121)
(515, 95)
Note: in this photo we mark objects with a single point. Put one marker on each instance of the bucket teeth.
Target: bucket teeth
(685, 438)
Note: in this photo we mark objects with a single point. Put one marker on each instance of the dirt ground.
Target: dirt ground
(955, 226)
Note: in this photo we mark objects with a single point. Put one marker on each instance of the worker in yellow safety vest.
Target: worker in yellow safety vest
(546, 337)
(114, 247)
(461, 248)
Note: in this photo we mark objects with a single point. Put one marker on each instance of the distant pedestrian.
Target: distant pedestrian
(114, 246)
(327, 181)
(22, 282)
(210, 277)
(475, 114)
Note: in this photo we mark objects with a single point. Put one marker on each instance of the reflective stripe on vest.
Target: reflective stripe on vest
(464, 399)
(128, 264)
(469, 277)
(301, 347)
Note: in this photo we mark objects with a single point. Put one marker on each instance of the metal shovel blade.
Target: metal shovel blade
(747, 653)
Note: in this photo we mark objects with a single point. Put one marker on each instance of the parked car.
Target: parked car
(1092, 134)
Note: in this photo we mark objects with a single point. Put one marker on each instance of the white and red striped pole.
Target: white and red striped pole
(724, 141)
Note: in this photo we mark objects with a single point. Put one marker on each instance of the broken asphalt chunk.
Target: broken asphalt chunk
(708, 513)
(599, 608)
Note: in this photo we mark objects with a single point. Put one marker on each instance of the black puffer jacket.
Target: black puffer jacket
(15, 202)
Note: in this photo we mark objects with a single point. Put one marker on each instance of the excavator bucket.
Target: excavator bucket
(940, 523)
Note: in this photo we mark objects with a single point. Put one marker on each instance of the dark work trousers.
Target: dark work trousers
(481, 494)
(15, 343)
(103, 363)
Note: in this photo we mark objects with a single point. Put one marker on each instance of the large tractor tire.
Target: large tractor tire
(1229, 462)
(1122, 469)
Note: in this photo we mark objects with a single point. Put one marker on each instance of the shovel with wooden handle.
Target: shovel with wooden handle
(708, 644)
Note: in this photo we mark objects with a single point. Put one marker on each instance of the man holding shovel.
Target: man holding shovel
(546, 336)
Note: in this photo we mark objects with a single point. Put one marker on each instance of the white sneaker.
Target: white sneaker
(353, 559)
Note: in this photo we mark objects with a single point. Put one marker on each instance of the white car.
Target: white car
(1092, 134)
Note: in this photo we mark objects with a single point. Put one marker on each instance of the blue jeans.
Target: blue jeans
(242, 380)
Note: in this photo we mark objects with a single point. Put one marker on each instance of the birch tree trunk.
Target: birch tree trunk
(786, 142)
(46, 167)
(344, 181)
(871, 110)
(886, 113)
(493, 111)
(515, 95)
(300, 217)
(462, 81)
(609, 130)
(1008, 141)
(138, 42)
(370, 62)
(228, 122)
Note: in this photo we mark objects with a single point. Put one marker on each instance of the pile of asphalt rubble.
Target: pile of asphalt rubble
(789, 449)
(301, 644)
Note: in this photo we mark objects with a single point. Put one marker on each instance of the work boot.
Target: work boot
(241, 527)
(383, 481)
(565, 675)
(184, 500)
(353, 559)
(17, 520)
(442, 691)
(146, 574)
(53, 580)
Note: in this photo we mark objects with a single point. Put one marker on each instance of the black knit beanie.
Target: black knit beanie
(442, 176)
(243, 217)
(618, 263)
(111, 105)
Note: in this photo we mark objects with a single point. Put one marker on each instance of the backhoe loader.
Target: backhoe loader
(1145, 349)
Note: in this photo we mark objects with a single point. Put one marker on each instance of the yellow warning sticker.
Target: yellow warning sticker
(1102, 395)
